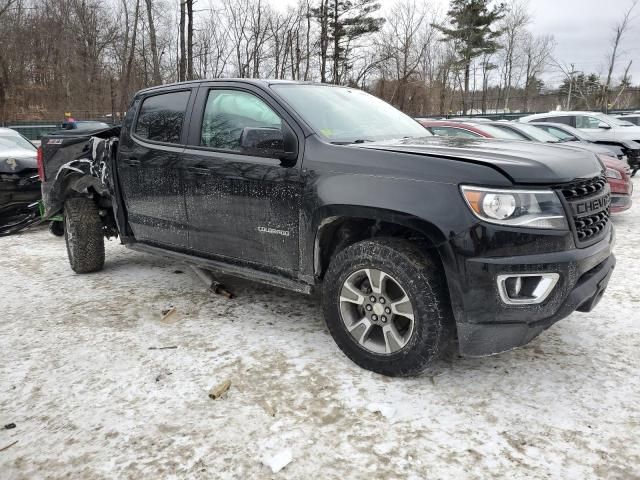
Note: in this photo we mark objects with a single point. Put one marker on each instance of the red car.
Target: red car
(618, 172)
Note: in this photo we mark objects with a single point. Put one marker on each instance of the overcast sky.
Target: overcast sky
(582, 30)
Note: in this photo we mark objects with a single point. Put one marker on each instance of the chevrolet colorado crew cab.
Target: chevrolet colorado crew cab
(415, 241)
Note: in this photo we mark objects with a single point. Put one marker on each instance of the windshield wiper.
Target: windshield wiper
(360, 140)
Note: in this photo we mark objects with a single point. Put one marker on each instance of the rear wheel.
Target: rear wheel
(83, 233)
(386, 306)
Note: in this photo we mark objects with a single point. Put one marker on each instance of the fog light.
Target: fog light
(526, 288)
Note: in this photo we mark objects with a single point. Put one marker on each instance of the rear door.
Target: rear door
(241, 207)
(150, 169)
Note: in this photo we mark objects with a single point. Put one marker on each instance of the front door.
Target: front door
(150, 170)
(593, 125)
(241, 207)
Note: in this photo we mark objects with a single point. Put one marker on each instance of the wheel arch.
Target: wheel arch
(338, 226)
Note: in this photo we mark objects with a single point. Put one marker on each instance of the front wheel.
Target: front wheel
(386, 306)
(83, 233)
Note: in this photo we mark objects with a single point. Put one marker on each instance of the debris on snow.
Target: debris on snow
(8, 446)
(278, 460)
(163, 375)
(213, 285)
(9, 426)
(269, 408)
(168, 314)
(172, 347)
(219, 390)
(384, 409)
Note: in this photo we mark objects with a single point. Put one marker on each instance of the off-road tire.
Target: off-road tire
(421, 277)
(83, 233)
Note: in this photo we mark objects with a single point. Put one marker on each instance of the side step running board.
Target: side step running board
(229, 269)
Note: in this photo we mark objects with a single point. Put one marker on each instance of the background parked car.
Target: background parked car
(454, 128)
(19, 182)
(631, 117)
(603, 129)
(567, 133)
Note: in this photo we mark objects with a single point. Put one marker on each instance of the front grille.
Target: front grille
(584, 188)
(588, 226)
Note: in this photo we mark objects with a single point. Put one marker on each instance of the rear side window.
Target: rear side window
(566, 119)
(161, 117)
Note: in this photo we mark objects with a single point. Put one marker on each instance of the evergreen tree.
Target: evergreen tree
(341, 23)
(470, 23)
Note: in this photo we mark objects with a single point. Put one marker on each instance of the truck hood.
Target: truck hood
(522, 162)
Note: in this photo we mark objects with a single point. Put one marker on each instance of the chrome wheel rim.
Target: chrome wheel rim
(376, 311)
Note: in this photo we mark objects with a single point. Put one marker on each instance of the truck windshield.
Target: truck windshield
(348, 115)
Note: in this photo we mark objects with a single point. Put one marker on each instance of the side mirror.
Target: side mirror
(604, 126)
(269, 143)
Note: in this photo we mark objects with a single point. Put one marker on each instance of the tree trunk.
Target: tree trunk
(153, 44)
(127, 77)
(467, 68)
(324, 38)
(336, 44)
(190, 40)
(182, 69)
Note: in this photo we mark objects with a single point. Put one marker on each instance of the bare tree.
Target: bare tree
(182, 68)
(153, 44)
(537, 53)
(619, 31)
(513, 29)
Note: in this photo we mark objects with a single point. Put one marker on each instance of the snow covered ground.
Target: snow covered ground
(90, 399)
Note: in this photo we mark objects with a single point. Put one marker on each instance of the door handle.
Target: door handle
(131, 161)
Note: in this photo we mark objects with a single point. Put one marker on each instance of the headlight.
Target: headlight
(516, 208)
(611, 173)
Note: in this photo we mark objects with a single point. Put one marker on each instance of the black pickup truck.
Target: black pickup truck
(414, 240)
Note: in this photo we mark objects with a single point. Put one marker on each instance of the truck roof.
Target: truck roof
(253, 81)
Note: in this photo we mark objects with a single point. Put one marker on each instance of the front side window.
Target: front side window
(228, 112)
(161, 117)
(584, 121)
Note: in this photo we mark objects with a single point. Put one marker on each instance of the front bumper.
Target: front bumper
(486, 325)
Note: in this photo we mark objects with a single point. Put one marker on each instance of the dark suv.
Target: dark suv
(414, 240)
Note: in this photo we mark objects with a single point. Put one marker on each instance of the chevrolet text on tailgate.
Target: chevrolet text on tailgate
(415, 241)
